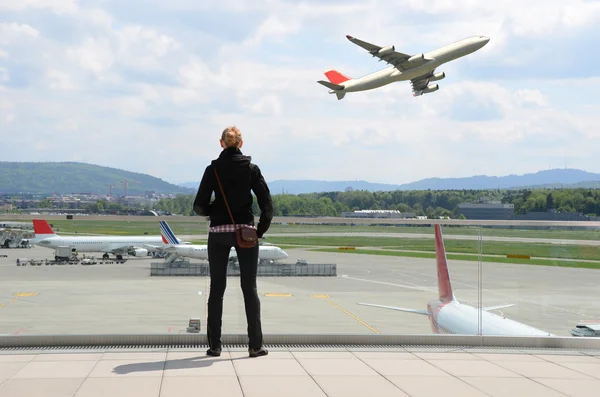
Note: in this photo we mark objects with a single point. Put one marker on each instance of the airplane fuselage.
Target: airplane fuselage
(201, 252)
(437, 57)
(100, 243)
(456, 318)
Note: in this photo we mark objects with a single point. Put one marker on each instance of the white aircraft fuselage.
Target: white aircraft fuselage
(438, 57)
(201, 252)
(100, 243)
(456, 318)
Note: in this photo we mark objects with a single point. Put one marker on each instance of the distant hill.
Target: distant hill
(557, 178)
(547, 177)
(72, 177)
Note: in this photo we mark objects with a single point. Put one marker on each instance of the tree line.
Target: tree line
(432, 203)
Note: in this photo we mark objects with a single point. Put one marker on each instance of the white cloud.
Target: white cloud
(58, 6)
(61, 81)
(94, 55)
(530, 97)
(11, 32)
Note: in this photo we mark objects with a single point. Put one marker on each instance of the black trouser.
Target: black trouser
(219, 246)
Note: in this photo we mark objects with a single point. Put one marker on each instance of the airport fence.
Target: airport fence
(285, 270)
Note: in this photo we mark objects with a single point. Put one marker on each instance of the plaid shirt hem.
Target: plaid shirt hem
(228, 228)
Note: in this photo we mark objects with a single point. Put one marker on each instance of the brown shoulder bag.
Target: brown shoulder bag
(246, 237)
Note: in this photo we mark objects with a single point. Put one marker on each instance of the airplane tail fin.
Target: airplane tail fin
(336, 77)
(444, 285)
(42, 228)
(167, 234)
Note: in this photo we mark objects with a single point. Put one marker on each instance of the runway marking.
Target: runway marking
(320, 296)
(26, 294)
(276, 294)
(14, 300)
(352, 315)
(1, 306)
(19, 331)
(414, 286)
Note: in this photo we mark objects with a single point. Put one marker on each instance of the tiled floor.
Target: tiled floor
(302, 373)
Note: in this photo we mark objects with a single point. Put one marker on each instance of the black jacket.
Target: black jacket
(238, 176)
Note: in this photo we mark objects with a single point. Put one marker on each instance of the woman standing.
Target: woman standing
(238, 177)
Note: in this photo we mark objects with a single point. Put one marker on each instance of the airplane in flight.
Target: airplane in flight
(449, 316)
(266, 253)
(418, 68)
(117, 245)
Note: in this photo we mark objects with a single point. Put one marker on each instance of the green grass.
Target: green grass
(456, 230)
(484, 258)
(454, 246)
(197, 225)
(128, 227)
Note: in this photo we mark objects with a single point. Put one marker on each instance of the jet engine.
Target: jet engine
(437, 76)
(386, 50)
(431, 88)
(415, 58)
(139, 252)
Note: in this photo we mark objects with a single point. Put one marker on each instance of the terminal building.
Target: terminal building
(487, 209)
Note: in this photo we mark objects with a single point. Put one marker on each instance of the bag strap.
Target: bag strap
(224, 198)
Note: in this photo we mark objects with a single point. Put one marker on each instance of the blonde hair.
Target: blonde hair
(231, 137)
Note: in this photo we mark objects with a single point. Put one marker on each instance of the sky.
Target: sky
(148, 86)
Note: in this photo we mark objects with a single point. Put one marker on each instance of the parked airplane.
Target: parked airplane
(117, 245)
(266, 253)
(418, 68)
(448, 316)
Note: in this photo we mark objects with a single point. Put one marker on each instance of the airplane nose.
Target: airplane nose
(283, 253)
(485, 39)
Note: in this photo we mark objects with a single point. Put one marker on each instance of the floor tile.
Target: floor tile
(16, 358)
(142, 356)
(68, 357)
(509, 357)
(39, 387)
(212, 386)
(446, 356)
(404, 367)
(472, 368)
(128, 368)
(195, 355)
(428, 386)
(258, 366)
(324, 355)
(541, 370)
(359, 386)
(333, 367)
(511, 387)
(55, 370)
(200, 367)
(387, 355)
(556, 358)
(589, 369)
(270, 356)
(271, 386)
(9, 369)
(572, 387)
(119, 387)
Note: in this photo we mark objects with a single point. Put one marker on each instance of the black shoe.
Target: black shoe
(213, 352)
(258, 352)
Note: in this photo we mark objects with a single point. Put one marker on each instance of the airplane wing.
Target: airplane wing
(415, 311)
(488, 308)
(390, 55)
(420, 83)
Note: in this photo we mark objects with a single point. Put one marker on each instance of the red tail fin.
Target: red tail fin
(336, 77)
(40, 226)
(444, 286)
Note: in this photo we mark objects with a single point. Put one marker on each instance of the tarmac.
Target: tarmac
(123, 298)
